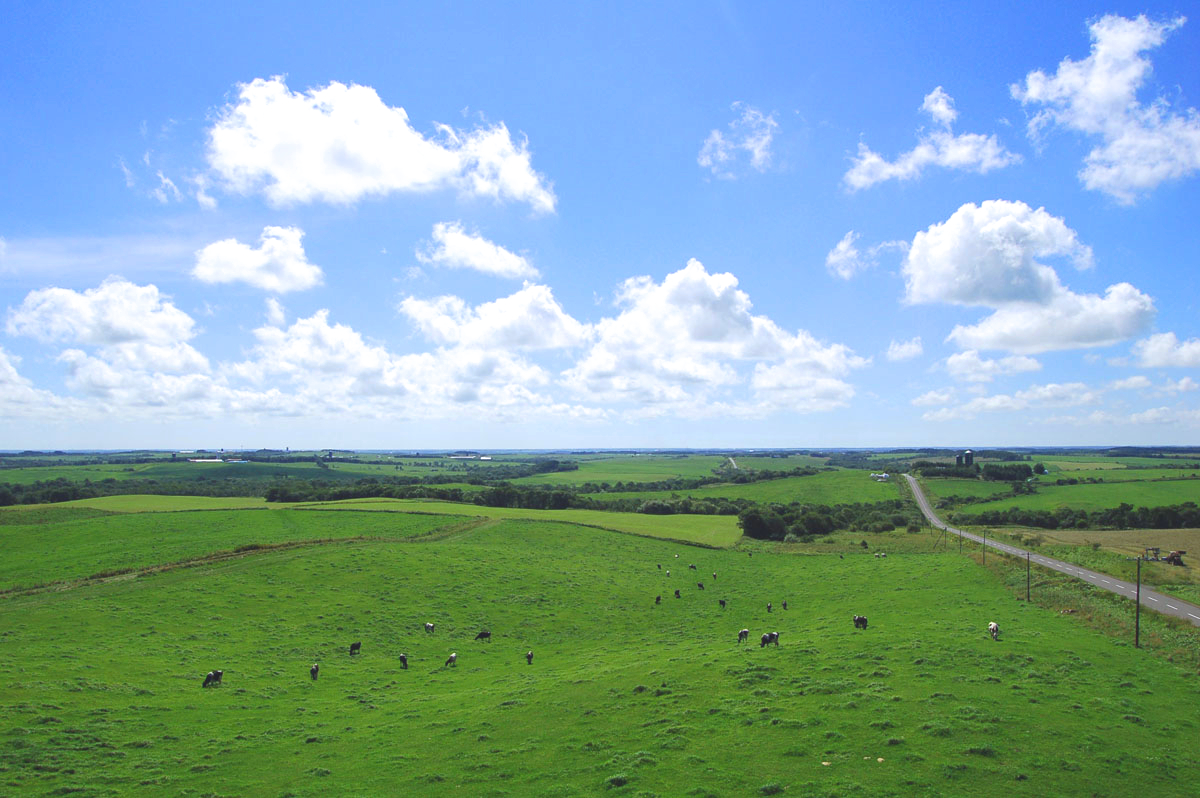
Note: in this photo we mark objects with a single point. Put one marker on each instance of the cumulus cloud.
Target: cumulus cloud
(1131, 383)
(341, 143)
(275, 314)
(1141, 144)
(677, 342)
(529, 319)
(1164, 350)
(991, 254)
(970, 152)
(845, 260)
(18, 397)
(969, 366)
(278, 264)
(905, 350)
(751, 133)
(454, 248)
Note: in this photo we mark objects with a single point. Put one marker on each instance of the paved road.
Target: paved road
(1159, 602)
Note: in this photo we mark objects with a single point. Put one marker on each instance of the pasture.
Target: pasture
(102, 690)
(1097, 496)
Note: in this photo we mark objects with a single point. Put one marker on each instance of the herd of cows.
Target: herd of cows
(213, 678)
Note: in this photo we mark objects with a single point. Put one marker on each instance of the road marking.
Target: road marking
(1152, 598)
(1197, 617)
(1172, 606)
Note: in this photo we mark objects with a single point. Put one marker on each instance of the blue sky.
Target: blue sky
(650, 225)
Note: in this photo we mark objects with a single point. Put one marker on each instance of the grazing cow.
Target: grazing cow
(692, 567)
(484, 635)
(314, 670)
(700, 585)
(768, 638)
(660, 566)
(453, 659)
(721, 602)
(213, 679)
(677, 594)
(429, 628)
(404, 661)
(743, 635)
(668, 573)
(528, 657)
(785, 605)
(994, 630)
(658, 599)
(355, 648)
(883, 554)
(714, 576)
(860, 622)
(768, 606)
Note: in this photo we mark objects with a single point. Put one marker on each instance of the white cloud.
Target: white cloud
(934, 398)
(279, 264)
(971, 152)
(1135, 383)
(905, 350)
(1071, 394)
(529, 319)
(18, 397)
(1167, 415)
(751, 133)
(845, 260)
(341, 143)
(676, 343)
(1164, 350)
(990, 255)
(166, 190)
(135, 328)
(1185, 385)
(970, 367)
(275, 313)
(1142, 145)
(456, 249)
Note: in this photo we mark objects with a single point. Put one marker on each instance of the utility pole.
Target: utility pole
(985, 546)
(1026, 577)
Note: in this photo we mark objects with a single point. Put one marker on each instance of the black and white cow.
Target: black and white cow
(451, 660)
(743, 635)
(528, 657)
(314, 670)
(768, 638)
(484, 635)
(994, 630)
(213, 679)
(429, 628)
(404, 661)
(860, 622)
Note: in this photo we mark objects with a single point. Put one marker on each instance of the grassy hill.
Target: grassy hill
(102, 692)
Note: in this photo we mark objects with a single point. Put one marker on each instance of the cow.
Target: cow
(660, 566)
(658, 599)
(860, 622)
(355, 647)
(714, 576)
(528, 657)
(213, 679)
(692, 567)
(768, 638)
(700, 585)
(721, 602)
(743, 635)
(994, 630)
(677, 594)
(314, 670)
(785, 605)
(429, 628)
(484, 635)
(452, 660)
(404, 661)
(768, 606)
(668, 573)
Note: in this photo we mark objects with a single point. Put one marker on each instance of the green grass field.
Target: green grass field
(826, 487)
(1098, 496)
(102, 691)
(707, 530)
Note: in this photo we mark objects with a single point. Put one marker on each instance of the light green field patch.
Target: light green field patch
(138, 503)
(708, 530)
(826, 487)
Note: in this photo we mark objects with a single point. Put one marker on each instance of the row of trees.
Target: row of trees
(806, 521)
(1125, 516)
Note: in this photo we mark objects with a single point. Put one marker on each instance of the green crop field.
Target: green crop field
(826, 487)
(102, 691)
(653, 468)
(939, 488)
